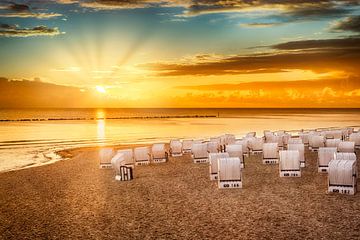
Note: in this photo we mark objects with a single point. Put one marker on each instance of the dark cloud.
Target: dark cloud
(315, 55)
(351, 24)
(7, 30)
(19, 7)
(15, 10)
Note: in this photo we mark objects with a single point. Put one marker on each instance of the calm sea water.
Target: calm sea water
(30, 137)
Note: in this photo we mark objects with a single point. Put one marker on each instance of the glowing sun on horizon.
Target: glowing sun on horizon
(100, 89)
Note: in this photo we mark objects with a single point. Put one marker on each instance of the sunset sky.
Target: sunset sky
(206, 53)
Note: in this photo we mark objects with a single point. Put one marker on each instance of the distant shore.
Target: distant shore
(175, 200)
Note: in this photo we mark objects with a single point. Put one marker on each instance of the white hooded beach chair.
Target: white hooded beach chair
(142, 156)
(255, 145)
(315, 142)
(346, 147)
(176, 148)
(285, 139)
(129, 157)
(270, 153)
(332, 143)
(229, 173)
(305, 138)
(342, 177)
(244, 144)
(158, 153)
(187, 145)
(325, 155)
(213, 147)
(200, 153)
(213, 159)
(345, 156)
(295, 141)
(105, 156)
(289, 164)
(250, 134)
(301, 148)
(230, 139)
(235, 150)
(122, 172)
(355, 137)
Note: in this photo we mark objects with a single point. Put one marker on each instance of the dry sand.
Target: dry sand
(74, 199)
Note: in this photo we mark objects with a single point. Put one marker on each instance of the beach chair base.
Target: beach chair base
(176, 154)
(255, 152)
(186, 150)
(290, 173)
(302, 164)
(201, 160)
(213, 176)
(314, 149)
(230, 184)
(105, 166)
(348, 190)
(323, 169)
(357, 146)
(142, 163)
(159, 160)
(270, 161)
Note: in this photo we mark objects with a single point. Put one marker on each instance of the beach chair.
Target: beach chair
(105, 156)
(213, 146)
(200, 153)
(230, 139)
(345, 156)
(270, 153)
(129, 157)
(235, 150)
(342, 177)
(142, 156)
(256, 145)
(213, 159)
(187, 145)
(268, 135)
(301, 148)
(295, 141)
(346, 147)
(289, 164)
(315, 142)
(325, 155)
(176, 148)
(229, 173)
(250, 134)
(244, 145)
(305, 138)
(122, 172)
(355, 137)
(285, 139)
(158, 153)
(332, 143)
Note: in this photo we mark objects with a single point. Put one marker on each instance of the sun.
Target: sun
(100, 89)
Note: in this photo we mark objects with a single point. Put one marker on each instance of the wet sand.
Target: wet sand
(74, 199)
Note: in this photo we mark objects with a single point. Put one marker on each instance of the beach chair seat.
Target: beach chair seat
(142, 156)
(355, 137)
(301, 148)
(158, 153)
(122, 172)
(129, 157)
(332, 143)
(289, 164)
(235, 150)
(325, 155)
(229, 173)
(213, 160)
(342, 177)
(105, 156)
(187, 145)
(200, 153)
(176, 149)
(346, 147)
(315, 142)
(270, 153)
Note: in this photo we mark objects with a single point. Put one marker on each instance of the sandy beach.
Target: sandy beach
(74, 199)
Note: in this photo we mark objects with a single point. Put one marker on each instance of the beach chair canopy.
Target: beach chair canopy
(199, 150)
(158, 150)
(117, 161)
(289, 160)
(141, 153)
(230, 138)
(326, 154)
(346, 147)
(213, 159)
(128, 155)
(106, 154)
(298, 147)
(229, 169)
(316, 141)
(342, 172)
(250, 134)
(270, 151)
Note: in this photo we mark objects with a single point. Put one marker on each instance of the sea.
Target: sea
(31, 137)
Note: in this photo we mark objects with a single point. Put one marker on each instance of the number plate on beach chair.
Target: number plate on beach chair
(230, 184)
(291, 173)
(342, 190)
(270, 161)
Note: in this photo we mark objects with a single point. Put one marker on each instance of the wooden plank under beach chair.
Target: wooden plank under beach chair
(176, 149)
(325, 155)
(158, 153)
(200, 153)
(229, 173)
(105, 156)
(213, 160)
(342, 177)
(270, 153)
(235, 150)
(122, 172)
(346, 147)
(142, 156)
(289, 164)
(301, 148)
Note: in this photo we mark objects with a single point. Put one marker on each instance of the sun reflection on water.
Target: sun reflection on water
(100, 121)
